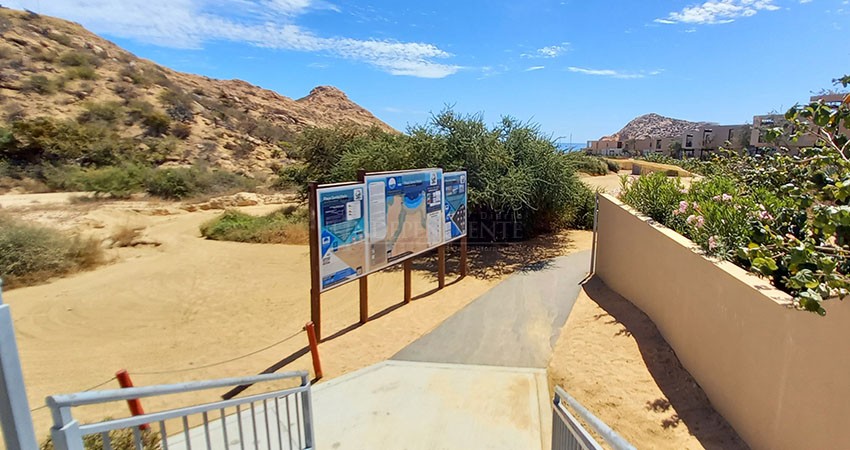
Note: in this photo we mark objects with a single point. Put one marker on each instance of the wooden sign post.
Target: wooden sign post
(441, 266)
(315, 287)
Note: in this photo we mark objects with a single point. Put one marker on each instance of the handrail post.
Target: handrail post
(18, 431)
(134, 404)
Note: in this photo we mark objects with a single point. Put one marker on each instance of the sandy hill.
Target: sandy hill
(654, 125)
(57, 69)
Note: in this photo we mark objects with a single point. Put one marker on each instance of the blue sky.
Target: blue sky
(577, 67)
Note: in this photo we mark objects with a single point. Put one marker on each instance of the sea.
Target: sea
(568, 147)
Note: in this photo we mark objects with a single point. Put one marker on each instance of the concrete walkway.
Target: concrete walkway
(515, 324)
(476, 381)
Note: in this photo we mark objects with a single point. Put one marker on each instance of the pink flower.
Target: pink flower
(683, 207)
(712, 242)
(722, 198)
(764, 215)
(697, 221)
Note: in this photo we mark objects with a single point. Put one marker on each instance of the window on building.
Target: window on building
(619, 144)
(689, 141)
(658, 144)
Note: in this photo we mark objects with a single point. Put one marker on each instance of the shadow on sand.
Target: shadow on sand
(685, 401)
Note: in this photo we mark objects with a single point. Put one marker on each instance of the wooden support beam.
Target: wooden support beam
(364, 299)
(408, 288)
(441, 266)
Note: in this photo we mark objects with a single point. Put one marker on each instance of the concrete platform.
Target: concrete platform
(515, 324)
(400, 405)
(408, 405)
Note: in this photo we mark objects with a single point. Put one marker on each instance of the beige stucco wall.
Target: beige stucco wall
(781, 377)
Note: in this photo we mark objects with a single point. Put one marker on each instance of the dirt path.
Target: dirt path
(613, 360)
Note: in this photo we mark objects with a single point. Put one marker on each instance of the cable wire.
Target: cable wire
(206, 366)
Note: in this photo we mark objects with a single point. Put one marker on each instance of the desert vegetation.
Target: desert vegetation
(516, 173)
(30, 254)
(784, 217)
(287, 225)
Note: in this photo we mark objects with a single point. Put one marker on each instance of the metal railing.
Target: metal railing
(275, 420)
(569, 434)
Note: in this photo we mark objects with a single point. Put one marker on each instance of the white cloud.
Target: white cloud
(263, 23)
(533, 68)
(550, 51)
(718, 12)
(613, 73)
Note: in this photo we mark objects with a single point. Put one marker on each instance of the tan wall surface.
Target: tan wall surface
(781, 377)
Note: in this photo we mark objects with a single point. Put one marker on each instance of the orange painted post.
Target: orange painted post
(408, 288)
(464, 268)
(314, 349)
(134, 404)
(441, 266)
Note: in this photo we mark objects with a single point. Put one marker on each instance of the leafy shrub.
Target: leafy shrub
(517, 175)
(108, 112)
(613, 166)
(655, 195)
(79, 58)
(157, 123)
(285, 226)
(31, 254)
(125, 90)
(180, 183)
(47, 140)
(81, 73)
(589, 164)
(178, 104)
(115, 181)
(40, 84)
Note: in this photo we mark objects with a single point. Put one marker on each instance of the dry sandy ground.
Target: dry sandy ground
(610, 184)
(613, 360)
(166, 312)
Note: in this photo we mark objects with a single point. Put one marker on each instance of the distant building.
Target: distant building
(763, 123)
(699, 143)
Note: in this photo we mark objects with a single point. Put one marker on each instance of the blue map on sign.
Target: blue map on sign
(342, 234)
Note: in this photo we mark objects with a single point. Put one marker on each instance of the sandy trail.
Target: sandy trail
(50, 198)
(162, 311)
(613, 360)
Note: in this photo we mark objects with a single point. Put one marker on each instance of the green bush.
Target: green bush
(116, 181)
(613, 166)
(654, 194)
(108, 112)
(180, 183)
(589, 164)
(516, 173)
(46, 140)
(40, 84)
(81, 73)
(79, 58)
(157, 123)
(31, 254)
(287, 225)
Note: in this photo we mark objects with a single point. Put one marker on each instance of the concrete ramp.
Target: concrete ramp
(414, 405)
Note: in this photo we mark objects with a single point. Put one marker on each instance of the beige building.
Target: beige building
(765, 122)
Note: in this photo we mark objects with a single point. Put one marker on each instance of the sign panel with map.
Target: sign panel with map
(405, 215)
(455, 205)
(342, 234)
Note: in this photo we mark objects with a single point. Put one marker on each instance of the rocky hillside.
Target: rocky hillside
(77, 81)
(654, 125)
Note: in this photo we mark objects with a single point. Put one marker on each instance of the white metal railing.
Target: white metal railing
(275, 420)
(569, 434)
